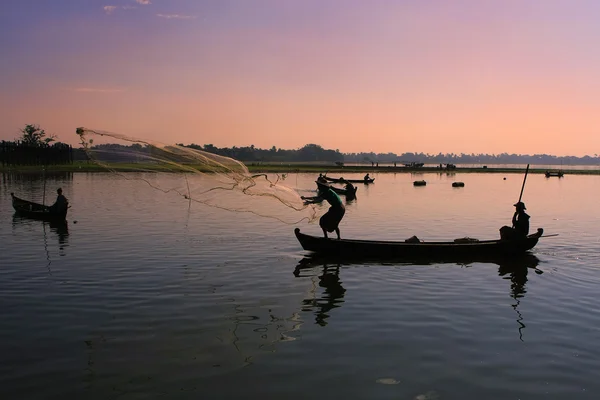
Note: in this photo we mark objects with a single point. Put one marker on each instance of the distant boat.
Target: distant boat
(341, 180)
(414, 164)
(458, 184)
(419, 183)
(33, 210)
(558, 174)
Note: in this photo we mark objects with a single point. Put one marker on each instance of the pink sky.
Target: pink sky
(382, 76)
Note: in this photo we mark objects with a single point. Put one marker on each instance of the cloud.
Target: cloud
(144, 2)
(109, 9)
(176, 16)
(96, 90)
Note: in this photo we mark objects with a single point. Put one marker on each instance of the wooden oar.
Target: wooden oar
(524, 179)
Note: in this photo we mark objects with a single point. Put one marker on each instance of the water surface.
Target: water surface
(142, 294)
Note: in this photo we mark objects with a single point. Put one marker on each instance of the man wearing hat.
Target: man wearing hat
(520, 220)
(520, 224)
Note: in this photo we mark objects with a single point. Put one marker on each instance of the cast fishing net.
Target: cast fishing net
(195, 176)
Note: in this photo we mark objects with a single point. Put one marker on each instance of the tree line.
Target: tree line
(314, 153)
(34, 147)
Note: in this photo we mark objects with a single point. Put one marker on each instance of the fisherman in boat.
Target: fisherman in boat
(366, 178)
(61, 204)
(321, 179)
(520, 224)
(520, 219)
(348, 186)
(330, 221)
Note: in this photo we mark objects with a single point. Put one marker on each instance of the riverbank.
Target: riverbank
(291, 168)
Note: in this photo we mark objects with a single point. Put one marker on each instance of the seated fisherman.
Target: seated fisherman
(520, 224)
(61, 204)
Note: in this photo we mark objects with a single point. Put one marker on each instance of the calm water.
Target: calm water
(142, 296)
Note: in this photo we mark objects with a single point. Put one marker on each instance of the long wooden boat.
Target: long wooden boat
(414, 250)
(342, 191)
(33, 210)
(558, 174)
(341, 180)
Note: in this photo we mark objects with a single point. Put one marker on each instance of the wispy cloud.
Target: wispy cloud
(109, 9)
(95, 90)
(144, 2)
(176, 16)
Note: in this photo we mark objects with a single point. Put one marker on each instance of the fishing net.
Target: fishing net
(196, 176)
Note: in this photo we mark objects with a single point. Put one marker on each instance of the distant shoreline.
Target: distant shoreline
(333, 170)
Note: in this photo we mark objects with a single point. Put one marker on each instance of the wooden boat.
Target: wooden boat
(558, 174)
(458, 184)
(33, 210)
(419, 183)
(341, 180)
(345, 192)
(460, 248)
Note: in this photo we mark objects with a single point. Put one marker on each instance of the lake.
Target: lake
(144, 294)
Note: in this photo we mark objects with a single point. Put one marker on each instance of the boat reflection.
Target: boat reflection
(514, 269)
(59, 227)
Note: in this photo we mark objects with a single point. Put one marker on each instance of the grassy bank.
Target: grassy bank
(332, 170)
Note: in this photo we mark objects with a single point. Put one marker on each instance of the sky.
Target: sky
(478, 76)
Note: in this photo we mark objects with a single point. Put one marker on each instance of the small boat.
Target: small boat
(419, 183)
(341, 180)
(558, 174)
(33, 210)
(414, 164)
(417, 249)
(345, 192)
(458, 184)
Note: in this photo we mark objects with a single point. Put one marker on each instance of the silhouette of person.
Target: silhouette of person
(520, 220)
(330, 221)
(61, 204)
(520, 224)
(367, 177)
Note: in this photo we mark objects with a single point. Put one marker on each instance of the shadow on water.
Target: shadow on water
(59, 228)
(514, 269)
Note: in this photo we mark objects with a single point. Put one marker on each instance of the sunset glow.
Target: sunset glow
(383, 76)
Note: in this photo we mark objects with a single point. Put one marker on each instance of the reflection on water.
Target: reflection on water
(513, 269)
(52, 230)
(332, 295)
(516, 271)
(188, 296)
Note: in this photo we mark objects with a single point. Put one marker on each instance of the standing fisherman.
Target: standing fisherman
(330, 221)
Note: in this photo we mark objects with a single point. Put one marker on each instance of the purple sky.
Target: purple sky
(432, 76)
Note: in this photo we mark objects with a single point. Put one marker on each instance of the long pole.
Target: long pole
(524, 179)
(44, 198)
